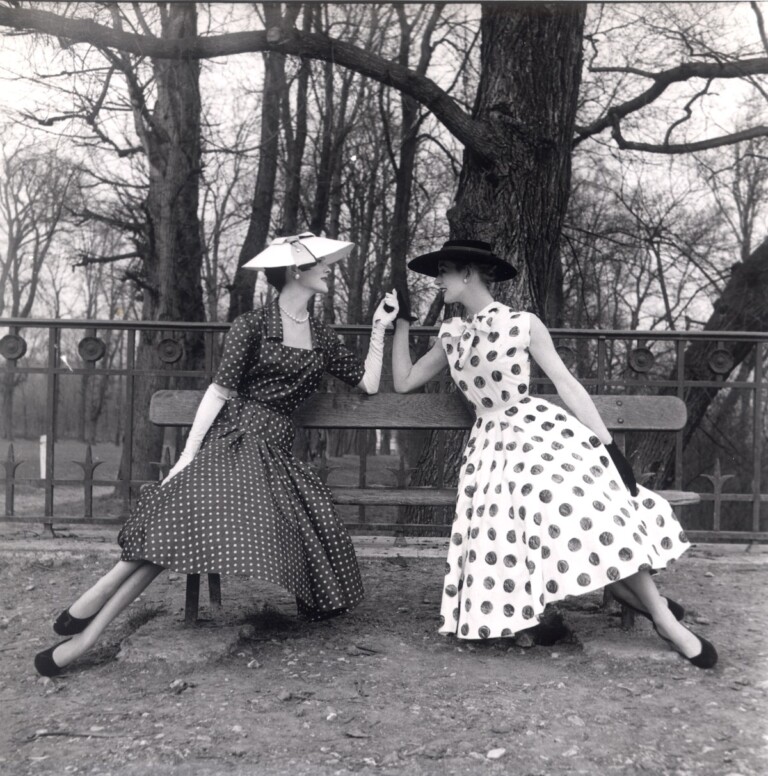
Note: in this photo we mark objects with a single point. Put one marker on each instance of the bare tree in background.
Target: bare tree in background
(742, 301)
(35, 187)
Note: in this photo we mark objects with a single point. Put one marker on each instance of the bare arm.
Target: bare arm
(568, 387)
(408, 376)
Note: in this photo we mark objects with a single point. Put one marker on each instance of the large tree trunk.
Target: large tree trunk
(241, 294)
(173, 260)
(296, 141)
(408, 148)
(530, 76)
(743, 306)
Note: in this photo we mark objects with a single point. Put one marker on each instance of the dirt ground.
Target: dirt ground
(253, 690)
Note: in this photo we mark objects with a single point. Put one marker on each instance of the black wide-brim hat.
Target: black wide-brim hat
(464, 252)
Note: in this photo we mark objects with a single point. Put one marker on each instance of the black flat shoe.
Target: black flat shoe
(44, 662)
(68, 625)
(678, 612)
(707, 658)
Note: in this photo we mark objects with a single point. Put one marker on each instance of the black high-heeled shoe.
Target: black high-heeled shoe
(44, 662)
(707, 658)
(67, 624)
(678, 612)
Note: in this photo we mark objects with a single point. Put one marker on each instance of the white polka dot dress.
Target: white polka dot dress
(245, 504)
(542, 512)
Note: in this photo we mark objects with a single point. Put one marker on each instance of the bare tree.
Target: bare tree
(34, 189)
(738, 181)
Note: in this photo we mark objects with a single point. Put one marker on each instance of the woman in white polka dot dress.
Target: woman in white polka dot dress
(237, 501)
(547, 505)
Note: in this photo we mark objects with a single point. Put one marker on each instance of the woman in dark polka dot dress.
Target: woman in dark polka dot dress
(547, 505)
(237, 501)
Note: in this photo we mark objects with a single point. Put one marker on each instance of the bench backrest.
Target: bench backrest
(426, 411)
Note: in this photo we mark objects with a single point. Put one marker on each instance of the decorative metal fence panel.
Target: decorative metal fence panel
(69, 410)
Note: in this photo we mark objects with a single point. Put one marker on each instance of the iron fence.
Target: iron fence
(724, 460)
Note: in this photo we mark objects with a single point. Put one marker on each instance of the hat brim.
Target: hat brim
(303, 251)
(328, 251)
(427, 263)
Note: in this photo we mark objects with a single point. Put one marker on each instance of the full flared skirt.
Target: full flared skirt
(246, 505)
(542, 514)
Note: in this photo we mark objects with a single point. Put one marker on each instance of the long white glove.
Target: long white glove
(210, 406)
(373, 361)
(386, 316)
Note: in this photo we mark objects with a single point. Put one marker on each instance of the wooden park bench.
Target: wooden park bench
(423, 411)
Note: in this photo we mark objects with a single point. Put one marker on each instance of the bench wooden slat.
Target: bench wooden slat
(426, 411)
(446, 497)
(385, 496)
(679, 498)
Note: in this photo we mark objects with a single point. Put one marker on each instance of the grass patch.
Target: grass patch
(142, 615)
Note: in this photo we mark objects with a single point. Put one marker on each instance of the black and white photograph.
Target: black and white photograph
(383, 388)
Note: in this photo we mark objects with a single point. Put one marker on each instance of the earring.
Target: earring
(465, 280)
(297, 275)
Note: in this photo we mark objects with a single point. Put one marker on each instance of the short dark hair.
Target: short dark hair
(277, 277)
(487, 272)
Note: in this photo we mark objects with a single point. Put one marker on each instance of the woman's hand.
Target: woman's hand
(182, 463)
(387, 310)
(624, 467)
(214, 398)
(404, 308)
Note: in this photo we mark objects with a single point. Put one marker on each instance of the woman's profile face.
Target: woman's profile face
(450, 280)
(314, 278)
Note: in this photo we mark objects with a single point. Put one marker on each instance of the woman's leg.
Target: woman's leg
(645, 591)
(130, 588)
(624, 593)
(98, 594)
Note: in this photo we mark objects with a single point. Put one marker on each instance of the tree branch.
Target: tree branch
(687, 111)
(118, 223)
(664, 79)
(760, 24)
(684, 148)
(475, 135)
(86, 259)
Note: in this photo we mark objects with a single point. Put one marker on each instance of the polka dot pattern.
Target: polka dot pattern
(541, 512)
(245, 504)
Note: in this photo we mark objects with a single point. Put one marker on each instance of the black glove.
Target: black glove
(624, 467)
(404, 308)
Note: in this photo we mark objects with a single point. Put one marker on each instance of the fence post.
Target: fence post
(10, 472)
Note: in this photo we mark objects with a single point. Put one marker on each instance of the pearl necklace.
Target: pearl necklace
(293, 317)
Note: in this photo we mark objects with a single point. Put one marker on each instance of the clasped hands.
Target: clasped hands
(392, 306)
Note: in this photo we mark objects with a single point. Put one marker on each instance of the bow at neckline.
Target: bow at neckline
(466, 330)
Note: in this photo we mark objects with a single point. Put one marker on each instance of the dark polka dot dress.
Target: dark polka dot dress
(542, 512)
(245, 504)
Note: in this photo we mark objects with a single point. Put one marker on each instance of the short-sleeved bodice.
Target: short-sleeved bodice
(257, 365)
(488, 357)
(272, 379)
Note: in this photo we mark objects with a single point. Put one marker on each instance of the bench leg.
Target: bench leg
(627, 618)
(627, 615)
(193, 599)
(214, 590)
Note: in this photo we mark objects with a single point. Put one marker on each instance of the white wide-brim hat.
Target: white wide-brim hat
(300, 250)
